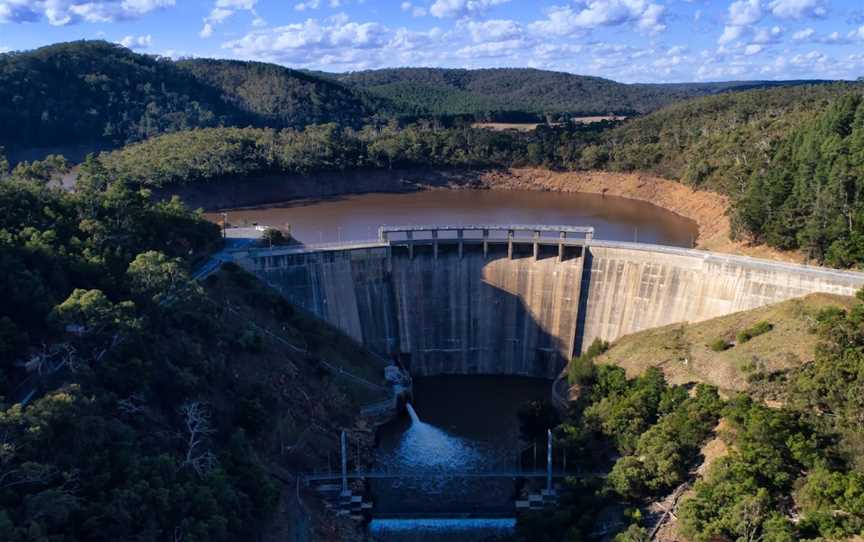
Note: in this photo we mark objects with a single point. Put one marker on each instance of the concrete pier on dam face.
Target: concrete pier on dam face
(490, 314)
(450, 314)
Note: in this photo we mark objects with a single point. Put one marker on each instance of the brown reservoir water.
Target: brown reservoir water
(357, 217)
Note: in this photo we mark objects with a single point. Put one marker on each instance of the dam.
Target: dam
(518, 299)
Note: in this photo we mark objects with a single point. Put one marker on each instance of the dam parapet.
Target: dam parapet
(519, 300)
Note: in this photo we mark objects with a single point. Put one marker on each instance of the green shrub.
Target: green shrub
(719, 345)
(581, 369)
(760, 328)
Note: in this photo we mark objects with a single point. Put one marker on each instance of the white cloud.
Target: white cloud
(335, 40)
(308, 4)
(753, 49)
(64, 12)
(803, 34)
(415, 11)
(798, 9)
(745, 12)
(742, 15)
(224, 10)
(767, 35)
(137, 42)
(564, 20)
(459, 8)
(494, 30)
(493, 49)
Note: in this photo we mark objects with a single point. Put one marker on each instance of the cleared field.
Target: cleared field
(529, 126)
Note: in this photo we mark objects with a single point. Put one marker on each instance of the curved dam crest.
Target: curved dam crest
(479, 311)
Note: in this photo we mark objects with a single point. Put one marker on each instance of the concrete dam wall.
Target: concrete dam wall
(473, 312)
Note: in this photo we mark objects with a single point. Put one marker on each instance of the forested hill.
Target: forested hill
(515, 93)
(281, 97)
(95, 91)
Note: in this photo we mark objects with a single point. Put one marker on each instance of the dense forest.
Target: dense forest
(135, 402)
(95, 92)
(513, 94)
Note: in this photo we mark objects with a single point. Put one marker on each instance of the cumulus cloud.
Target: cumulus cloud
(137, 42)
(64, 12)
(460, 8)
(798, 9)
(308, 4)
(742, 15)
(803, 34)
(493, 30)
(225, 9)
(564, 20)
(335, 40)
(415, 11)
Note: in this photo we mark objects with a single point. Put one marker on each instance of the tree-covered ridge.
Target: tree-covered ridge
(90, 92)
(279, 97)
(136, 403)
(715, 142)
(94, 91)
(210, 154)
(810, 195)
(514, 93)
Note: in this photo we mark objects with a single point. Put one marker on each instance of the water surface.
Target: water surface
(357, 217)
(462, 424)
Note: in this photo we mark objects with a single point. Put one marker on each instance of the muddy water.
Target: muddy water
(357, 217)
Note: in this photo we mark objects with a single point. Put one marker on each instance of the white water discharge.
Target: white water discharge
(426, 447)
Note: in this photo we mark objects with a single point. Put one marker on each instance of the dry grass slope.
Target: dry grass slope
(682, 350)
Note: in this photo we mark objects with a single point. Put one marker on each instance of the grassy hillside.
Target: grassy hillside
(684, 351)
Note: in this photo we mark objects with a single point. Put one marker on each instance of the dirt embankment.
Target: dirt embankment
(707, 209)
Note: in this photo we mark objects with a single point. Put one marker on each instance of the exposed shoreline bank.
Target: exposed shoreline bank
(707, 209)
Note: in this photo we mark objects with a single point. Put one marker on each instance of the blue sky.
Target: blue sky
(625, 40)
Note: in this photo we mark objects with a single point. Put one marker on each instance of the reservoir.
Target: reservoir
(357, 217)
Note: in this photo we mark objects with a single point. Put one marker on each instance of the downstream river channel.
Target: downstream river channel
(459, 423)
(357, 217)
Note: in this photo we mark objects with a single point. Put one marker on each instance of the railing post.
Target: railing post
(435, 243)
(509, 244)
(485, 244)
(459, 236)
(536, 245)
(562, 236)
(410, 235)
